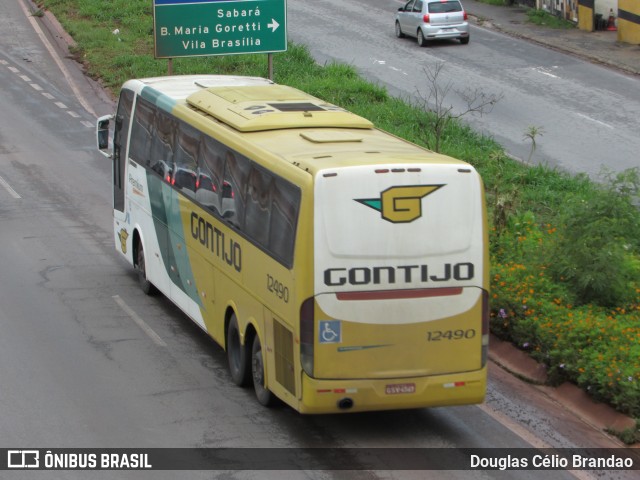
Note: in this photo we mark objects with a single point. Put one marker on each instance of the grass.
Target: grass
(565, 251)
(540, 17)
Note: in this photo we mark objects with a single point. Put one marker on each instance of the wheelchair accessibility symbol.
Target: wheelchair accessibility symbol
(330, 331)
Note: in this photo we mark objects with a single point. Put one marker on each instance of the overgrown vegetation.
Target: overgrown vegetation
(566, 280)
(500, 3)
(565, 251)
(540, 17)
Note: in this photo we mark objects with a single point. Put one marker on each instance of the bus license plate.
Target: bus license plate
(398, 388)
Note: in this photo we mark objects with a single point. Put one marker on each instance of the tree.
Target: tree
(433, 126)
(532, 133)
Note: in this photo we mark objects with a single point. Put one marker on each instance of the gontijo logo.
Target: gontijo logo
(400, 204)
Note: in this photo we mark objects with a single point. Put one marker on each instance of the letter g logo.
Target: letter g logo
(400, 204)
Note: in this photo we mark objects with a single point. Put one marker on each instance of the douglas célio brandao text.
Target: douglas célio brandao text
(551, 462)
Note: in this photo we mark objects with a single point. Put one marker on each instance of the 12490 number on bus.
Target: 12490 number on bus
(439, 335)
(278, 289)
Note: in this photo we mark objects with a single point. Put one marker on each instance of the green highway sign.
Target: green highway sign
(186, 28)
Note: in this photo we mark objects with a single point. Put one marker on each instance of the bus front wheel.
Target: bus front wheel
(146, 286)
(237, 355)
(264, 396)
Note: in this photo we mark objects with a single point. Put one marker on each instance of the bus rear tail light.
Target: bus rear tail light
(307, 328)
(485, 327)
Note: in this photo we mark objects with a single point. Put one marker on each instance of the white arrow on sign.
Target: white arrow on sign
(273, 25)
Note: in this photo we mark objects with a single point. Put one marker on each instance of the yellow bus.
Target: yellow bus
(342, 269)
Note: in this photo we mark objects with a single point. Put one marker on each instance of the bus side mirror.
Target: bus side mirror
(102, 135)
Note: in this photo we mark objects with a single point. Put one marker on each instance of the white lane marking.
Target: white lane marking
(390, 67)
(56, 59)
(87, 124)
(586, 117)
(38, 88)
(398, 70)
(140, 322)
(8, 188)
(528, 437)
(545, 72)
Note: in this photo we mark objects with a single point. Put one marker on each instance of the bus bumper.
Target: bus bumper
(343, 396)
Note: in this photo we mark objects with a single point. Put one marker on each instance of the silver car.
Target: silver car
(432, 20)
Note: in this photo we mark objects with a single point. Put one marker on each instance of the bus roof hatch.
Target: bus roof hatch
(272, 107)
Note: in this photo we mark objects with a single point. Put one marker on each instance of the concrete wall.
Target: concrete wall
(629, 21)
(585, 15)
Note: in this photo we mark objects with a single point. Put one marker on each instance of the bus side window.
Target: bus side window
(141, 137)
(258, 207)
(162, 147)
(234, 187)
(285, 206)
(210, 170)
(184, 174)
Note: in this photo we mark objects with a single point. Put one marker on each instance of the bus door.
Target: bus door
(120, 155)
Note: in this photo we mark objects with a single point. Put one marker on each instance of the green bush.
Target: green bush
(596, 250)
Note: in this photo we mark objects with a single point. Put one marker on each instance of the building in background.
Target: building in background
(622, 16)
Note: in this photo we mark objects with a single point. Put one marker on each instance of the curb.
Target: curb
(516, 362)
(599, 415)
(60, 34)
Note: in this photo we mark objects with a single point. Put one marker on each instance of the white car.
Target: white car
(432, 20)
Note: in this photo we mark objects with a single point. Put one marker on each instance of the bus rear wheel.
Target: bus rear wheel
(264, 396)
(146, 286)
(237, 355)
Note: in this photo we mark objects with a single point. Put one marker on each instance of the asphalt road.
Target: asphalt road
(588, 114)
(79, 365)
